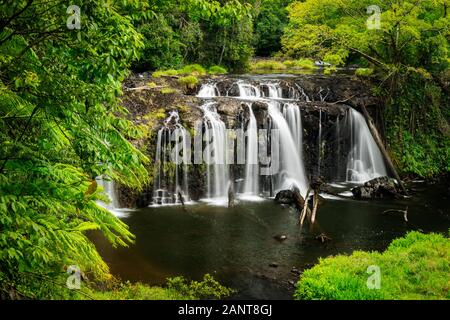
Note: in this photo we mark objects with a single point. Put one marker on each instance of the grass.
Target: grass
(414, 267)
(364, 72)
(189, 81)
(217, 70)
(267, 65)
(300, 64)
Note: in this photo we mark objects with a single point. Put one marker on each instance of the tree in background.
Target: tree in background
(178, 32)
(410, 54)
(271, 17)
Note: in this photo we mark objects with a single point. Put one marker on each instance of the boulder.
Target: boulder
(378, 188)
(285, 197)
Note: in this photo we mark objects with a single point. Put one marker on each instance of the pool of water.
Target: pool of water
(238, 246)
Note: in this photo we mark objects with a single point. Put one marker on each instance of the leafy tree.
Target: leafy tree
(410, 54)
(61, 126)
(270, 20)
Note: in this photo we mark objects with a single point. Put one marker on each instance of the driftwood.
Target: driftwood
(315, 205)
(323, 238)
(305, 207)
(231, 198)
(405, 213)
(377, 138)
(180, 197)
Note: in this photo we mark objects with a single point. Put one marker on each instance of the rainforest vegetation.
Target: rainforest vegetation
(62, 123)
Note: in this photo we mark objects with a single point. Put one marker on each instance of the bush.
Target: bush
(268, 65)
(329, 70)
(414, 267)
(193, 69)
(168, 73)
(363, 72)
(189, 81)
(217, 70)
(300, 64)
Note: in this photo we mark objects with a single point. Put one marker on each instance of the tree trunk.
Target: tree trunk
(379, 142)
(315, 206)
(305, 208)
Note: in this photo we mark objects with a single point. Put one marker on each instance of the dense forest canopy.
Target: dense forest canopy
(62, 123)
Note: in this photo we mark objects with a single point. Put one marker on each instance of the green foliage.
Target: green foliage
(329, 70)
(189, 81)
(408, 56)
(193, 69)
(217, 70)
(195, 31)
(168, 73)
(268, 65)
(417, 130)
(414, 267)
(61, 125)
(364, 72)
(300, 64)
(177, 288)
(206, 289)
(269, 22)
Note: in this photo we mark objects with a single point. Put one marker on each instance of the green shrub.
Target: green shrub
(414, 267)
(217, 70)
(177, 288)
(300, 64)
(329, 70)
(193, 69)
(167, 73)
(168, 90)
(363, 72)
(268, 65)
(189, 81)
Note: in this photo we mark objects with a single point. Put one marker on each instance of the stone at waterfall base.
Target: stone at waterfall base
(378, 188)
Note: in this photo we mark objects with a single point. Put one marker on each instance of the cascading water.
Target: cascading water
(365, 161)
(251, 185)
(291, 113)
(208, 90)
(248, 91)
(166, 191)
(109, 189)
(292, 172)
(215, 154)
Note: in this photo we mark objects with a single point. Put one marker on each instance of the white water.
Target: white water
(251, 186)
(167, 194)
(215, 155)
(292, 172)
(248, 91)
(208, 90)
(109, 190)
(365, 161)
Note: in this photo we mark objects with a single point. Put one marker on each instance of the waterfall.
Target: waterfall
(208, 90)
(365, 161)
(215, 154)
(251, 186)
(167, 187)
(248, 91)
(291, 113)
(109, 190)
(292, 172)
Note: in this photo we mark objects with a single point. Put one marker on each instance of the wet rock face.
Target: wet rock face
(378, 188)
(321, 100)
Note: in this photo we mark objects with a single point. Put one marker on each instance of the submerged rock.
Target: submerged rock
(378, 188)
(280, 238)
(285, 197)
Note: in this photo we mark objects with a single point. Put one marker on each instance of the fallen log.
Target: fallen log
(305, 208)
